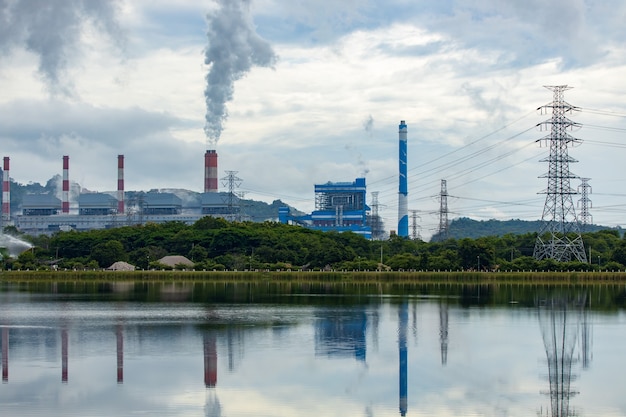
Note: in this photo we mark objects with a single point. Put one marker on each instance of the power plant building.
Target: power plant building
(339, 207)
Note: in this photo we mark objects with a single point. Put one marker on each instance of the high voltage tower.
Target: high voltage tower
(443, 211)
(559, 236)
(415, 234)
(586, 219)
(375, 222)
(232, 181)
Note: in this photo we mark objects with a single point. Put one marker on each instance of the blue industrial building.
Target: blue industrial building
(339, 207)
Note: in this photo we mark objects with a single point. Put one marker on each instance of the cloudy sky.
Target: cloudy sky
(294, 93)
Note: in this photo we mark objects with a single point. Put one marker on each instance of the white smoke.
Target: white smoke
(234, 48)
(52, 31)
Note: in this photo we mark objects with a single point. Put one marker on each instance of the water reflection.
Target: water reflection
(341, 334)
(403, 321)
(325, 356)
(560, 318)
(5, 354)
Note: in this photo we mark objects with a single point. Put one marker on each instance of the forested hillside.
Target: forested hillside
(465, 227)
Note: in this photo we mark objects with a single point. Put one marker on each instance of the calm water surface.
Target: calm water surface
(311, 350)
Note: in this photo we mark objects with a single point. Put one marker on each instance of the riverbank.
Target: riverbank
(317, 276)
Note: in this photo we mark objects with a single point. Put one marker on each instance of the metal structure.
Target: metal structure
(585, 218)
(403, 213)
(376, 222)
(232, 181)
(210, 171)
(442, 233)
(6, 193)
(65, 203)
(339, 207)
(120, 184)
(559, 236)
(415, 234)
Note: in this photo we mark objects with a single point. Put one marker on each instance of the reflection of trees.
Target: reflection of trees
(560, 319)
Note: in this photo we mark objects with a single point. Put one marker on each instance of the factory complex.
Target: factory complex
(339, 206)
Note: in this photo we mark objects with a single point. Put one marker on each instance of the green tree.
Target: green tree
(107, 253)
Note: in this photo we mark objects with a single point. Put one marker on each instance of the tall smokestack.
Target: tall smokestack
(120, 184)
(65, 208)
(210, 171)
(6, 192)
(403, 211)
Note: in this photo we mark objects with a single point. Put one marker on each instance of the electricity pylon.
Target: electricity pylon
(559, 236)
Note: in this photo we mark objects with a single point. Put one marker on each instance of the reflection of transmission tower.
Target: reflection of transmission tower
(559, 319)
(443, 332)
(415, 234)
(559, 237)
(586, 219)
(231, 181)
(443, 211)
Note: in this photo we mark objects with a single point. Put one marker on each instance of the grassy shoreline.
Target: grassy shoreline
(576, 277)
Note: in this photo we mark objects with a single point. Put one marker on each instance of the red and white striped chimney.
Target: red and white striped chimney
(120, 184)
(65, 208)
(6, 192)
(210, 171)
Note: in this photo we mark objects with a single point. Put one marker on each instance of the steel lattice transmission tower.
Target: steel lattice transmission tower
(415, 234)
(232, 181)
(586, 219)
(443, 211)
(559, 237)
(375, 221)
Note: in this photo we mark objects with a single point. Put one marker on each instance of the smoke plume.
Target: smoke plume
(52, 31)
(234, 48)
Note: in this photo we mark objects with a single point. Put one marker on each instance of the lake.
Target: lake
(311, 349)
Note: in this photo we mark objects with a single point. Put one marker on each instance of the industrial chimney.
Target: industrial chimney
(403, 211)
(120, 184)
(65, 207)
(210, 171)
(6, 193)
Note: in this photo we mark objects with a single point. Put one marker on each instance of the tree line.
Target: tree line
(216, 244)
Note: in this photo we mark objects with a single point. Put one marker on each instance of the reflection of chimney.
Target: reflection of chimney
(210, 171)
(6, 192)
(403, 321)
(120, 354)
(210, 361)
(64, 355)
(120, 184)
(5, 354)
(66, 185)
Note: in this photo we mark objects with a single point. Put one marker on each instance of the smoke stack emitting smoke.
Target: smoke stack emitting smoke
(234, 48)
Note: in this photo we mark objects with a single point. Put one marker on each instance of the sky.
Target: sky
(297, 93)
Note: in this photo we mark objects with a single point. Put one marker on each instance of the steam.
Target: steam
(368, 124)
(234, 48)
(52, 31)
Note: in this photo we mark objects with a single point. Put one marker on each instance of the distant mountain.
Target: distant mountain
(464, 227)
